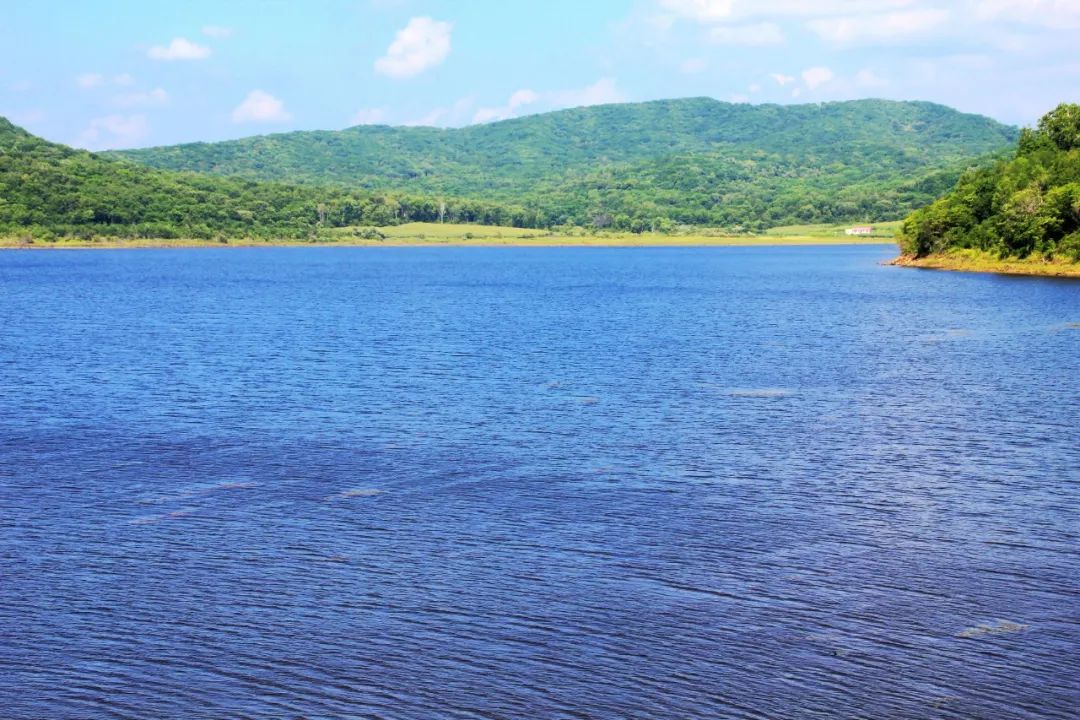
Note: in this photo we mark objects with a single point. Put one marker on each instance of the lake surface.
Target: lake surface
(535, 483)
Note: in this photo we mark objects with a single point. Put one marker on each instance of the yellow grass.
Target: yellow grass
(882, 230)
(436, 234)
(444, 234)
(983, 262)
(445, 231)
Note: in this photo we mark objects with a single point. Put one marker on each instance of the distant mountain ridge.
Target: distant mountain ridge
(637, 165)
(50, 191)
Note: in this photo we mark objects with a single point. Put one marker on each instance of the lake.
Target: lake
(535, 483)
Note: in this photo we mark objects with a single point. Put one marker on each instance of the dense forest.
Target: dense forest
(641, 166)
(49, 190)
(1029, 205)
(650, 166)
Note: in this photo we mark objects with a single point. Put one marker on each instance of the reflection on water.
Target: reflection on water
(663, 483)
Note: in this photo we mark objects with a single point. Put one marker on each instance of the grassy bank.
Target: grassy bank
(882, 231)
(436, 234)
(984, 262)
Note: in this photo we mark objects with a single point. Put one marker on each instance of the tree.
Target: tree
(1028, 205)
(1062, 126)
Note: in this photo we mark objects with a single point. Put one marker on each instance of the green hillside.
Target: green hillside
(1026, 206)
(634, 166)
(49, 190)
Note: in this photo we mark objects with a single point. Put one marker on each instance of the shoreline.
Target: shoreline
(975, 262)
(555, 241)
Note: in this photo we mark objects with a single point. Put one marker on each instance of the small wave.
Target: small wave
(162, 499)
(152, 519)
(192, 492)
(760, 392)
(354, 493)
(1002, 626)
(236, 485)
(947, 334)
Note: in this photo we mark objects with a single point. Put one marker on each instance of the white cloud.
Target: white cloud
(522, 97)
(645, 25)
(179, 49)
(867, 78)
(423, 43)
(882, 27)
(1051, 13)
(260, 106)
(486, 115)
(757, 35)
(90, 80)
(153, 98)
(430, 120)
(1012, 26)
(700, 10)
(456, 114)
(818, 8)
(525, 100)
(720, 11)
(816, 76)
(942, 68)
(369, 116)
(692, 66)
(114, 131)
(601, 92)
(754, 88)
(604, 90)
(27, 118)
(913, 50)
(796, 92)
(739, 99)
(518, 100)
(216, 31)
(967, 61)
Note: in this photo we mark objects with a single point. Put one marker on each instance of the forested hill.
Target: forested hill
(49, 190)
(696, 161)
(1029, 205)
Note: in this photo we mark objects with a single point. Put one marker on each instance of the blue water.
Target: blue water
(535, 483)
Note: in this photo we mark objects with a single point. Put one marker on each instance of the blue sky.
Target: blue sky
(119, 73)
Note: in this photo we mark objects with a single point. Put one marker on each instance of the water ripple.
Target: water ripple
(494, 483)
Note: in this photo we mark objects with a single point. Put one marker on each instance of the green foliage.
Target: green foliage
(1028, 205)
(368, 233)
(49, 191)
(1069, 247)
(640, 167)
(1062, 126)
